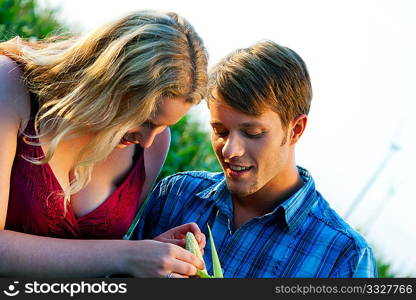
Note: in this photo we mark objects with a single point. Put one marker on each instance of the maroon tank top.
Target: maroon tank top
(35, 208)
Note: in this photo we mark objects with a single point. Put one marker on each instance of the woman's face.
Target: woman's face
(169, 112)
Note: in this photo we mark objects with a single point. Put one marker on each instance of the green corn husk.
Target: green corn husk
(192, 245)
(216, 265)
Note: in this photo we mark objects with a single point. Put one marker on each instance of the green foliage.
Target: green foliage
(383, 269)
(26, 19)
(190, 150)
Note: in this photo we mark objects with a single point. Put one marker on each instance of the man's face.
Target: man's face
(252, 150)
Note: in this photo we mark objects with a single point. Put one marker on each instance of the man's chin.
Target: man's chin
(242, 190)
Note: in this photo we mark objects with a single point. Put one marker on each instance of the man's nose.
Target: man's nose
(233, 147)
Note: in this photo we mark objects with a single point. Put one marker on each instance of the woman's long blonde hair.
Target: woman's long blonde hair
(109, 81)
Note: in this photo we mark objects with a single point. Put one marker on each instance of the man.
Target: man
(267, 218)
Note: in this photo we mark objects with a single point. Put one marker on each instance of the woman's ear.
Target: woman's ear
(297, 126)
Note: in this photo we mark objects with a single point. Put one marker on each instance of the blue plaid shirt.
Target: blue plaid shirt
(301, 237)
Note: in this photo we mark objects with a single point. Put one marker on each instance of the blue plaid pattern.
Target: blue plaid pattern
(301, 237)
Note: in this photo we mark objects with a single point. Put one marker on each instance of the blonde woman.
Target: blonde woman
(84, 131)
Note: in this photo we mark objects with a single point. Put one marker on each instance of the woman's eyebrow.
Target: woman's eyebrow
(152, 124)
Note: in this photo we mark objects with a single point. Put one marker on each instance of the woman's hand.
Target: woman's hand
(177, 235)
(150, 258)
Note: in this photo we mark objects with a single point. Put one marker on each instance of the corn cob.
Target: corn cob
(192, 245)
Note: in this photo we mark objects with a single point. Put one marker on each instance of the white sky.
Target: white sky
(361, 58)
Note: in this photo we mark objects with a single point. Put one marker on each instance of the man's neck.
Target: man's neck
(267, 198)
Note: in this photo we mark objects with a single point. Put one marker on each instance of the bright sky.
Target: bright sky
(361, 58)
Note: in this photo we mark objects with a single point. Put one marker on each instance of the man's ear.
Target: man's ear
(297, 127)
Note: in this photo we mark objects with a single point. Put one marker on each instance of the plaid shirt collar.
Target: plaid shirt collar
(291, 212)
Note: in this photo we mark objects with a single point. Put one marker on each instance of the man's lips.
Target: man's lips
(237, 170)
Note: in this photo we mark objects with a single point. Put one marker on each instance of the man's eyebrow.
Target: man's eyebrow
(215, 123)
(251, 124)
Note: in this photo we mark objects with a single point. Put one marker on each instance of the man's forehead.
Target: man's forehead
(253, 106)
(221, 116)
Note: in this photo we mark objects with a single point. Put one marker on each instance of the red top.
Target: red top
(30, 210)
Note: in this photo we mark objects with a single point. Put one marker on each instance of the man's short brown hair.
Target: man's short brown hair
(263, 76)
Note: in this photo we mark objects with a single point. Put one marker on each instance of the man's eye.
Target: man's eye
(220, 133)
(253, 134)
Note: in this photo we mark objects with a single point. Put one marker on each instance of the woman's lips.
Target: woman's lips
(127, 142)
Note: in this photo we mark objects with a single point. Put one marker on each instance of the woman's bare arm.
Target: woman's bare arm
(29, 255)
(14, 108)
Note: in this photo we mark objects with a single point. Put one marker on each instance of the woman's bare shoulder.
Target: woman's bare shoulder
(14, 96)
